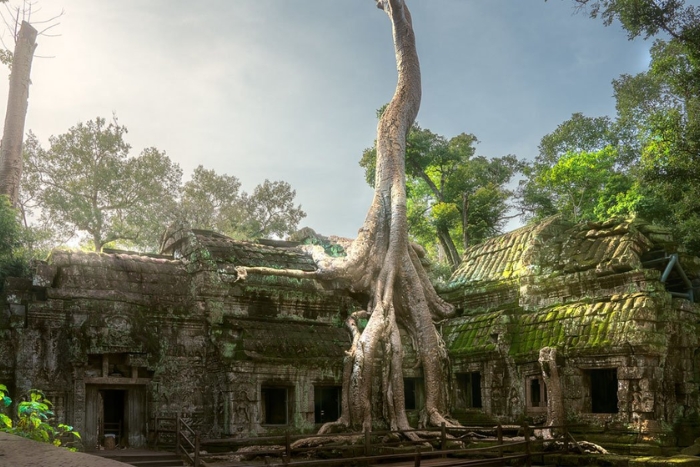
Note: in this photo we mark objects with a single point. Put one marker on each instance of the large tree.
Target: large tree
(88, 185)
(16, 113)
(454, 195)
(657, 129)
(585, 170)
(213, 201)
(383, 265)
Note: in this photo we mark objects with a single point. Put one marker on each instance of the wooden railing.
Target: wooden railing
(370, 447)
(187, 440)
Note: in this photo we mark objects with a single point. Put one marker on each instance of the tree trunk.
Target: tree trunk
(556, 415)
(17, 102)
(465, 220)
(383, 265)
(448, 245)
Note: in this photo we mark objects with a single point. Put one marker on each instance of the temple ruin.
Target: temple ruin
(117, 339)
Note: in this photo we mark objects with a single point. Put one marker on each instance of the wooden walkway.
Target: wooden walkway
(442, 463)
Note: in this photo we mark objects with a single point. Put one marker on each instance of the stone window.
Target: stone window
(275, 405)
(535, 394)
(326, 403)
(469, 390)
(413, 393)
(602, 384)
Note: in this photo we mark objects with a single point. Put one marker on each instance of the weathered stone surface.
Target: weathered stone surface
(178, 332)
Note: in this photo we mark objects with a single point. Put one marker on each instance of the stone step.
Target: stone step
(143, 458)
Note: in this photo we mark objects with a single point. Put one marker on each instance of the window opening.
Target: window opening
(275, 407)
(603, 386)
(326, 403)
(536, 393)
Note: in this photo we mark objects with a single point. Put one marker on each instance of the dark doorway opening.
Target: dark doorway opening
(113, 419)
(413, 393)
(326, 403)
(469, 390)
(603, 384)
(275, 405)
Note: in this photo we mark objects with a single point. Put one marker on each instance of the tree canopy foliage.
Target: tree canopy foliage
(644, 161)
(455, 198)
(213, 201)
(87, 184)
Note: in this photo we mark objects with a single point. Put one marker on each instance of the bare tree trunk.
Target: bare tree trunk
(382, 264)
(17, 103)
(465, 220)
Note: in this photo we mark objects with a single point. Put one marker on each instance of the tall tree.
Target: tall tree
(453, 195)
(87, 185)
(583, 171)
(660, 110)
(270, 210)
(16, 113)
(213, 201)
(385, 266)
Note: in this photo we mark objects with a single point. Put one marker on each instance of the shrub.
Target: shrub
(34, 420)
(13, 258)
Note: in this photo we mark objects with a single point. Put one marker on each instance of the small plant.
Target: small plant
(34, 417)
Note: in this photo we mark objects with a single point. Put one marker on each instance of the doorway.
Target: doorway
(113, 420)
(119, 410)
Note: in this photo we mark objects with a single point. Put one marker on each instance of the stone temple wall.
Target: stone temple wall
(626, 340)
(128, 337)
(154, 336)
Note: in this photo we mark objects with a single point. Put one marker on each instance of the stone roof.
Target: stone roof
(589, 288)
(526, 262)
(197, 244)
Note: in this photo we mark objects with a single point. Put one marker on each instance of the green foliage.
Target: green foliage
(656, 133)
(581, 185)
(648, 17)
(6, 57)
(13, 257)
(34, 419)
(270, 210)
(87, 184)
(213, 201)
(454, 196)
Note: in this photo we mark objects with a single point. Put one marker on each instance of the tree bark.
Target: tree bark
(17, 103)
(384, 266)
(465, 220)
(556, 415)
(448, 245)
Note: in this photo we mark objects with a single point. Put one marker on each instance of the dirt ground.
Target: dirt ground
(21, 452)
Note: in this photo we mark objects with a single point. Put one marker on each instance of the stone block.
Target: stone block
(44, 275)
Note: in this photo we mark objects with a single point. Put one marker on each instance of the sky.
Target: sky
(288, 90)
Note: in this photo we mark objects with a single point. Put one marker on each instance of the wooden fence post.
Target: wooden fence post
(287, 445)
(499, 433)
(367, 443)
(528, 458)
(156, 434)
(566, 438)
(196, 449)
(416, 462)
(443, 437)
(177, 433)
